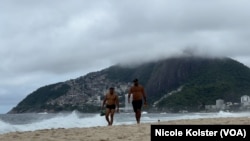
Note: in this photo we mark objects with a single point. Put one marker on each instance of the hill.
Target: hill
(173, 84)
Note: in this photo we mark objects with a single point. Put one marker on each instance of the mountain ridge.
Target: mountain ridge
(203, 80)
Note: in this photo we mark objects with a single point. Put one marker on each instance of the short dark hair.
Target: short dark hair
(111, 88)
(135, 80)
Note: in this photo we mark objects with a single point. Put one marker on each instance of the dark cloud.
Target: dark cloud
(49, 41)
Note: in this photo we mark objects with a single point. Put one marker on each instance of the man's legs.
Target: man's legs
(138, 116)
(112, 116)
(137, 109)
(108, 111)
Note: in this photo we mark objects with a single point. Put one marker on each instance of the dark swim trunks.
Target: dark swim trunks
(137, 104)
(110, 107)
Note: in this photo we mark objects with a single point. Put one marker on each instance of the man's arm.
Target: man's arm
(144, 96)
(129, 94)
(104, 101)
(117, 103)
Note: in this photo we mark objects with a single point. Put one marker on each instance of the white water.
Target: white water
(59, 121)
(79, 120)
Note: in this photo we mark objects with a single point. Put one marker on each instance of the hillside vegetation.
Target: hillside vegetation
(200, 81)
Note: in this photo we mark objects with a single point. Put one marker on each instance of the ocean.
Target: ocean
(37, 121)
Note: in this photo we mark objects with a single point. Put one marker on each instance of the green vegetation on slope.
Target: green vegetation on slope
(203, 81)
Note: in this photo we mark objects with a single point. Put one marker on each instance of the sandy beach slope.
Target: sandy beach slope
(112, 133)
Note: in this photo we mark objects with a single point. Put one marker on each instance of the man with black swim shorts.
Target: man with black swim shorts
(112, 102)
(138, 96)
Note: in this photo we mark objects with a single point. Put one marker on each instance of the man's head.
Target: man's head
(136, 81)
(111, 90)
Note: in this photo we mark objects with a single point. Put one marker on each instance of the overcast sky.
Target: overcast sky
(48, 41)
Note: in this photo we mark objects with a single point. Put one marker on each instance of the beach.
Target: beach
(133, 132)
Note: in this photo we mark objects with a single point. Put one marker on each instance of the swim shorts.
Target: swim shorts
(110, 107)
(137, 104)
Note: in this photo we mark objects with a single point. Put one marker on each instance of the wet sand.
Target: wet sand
(133, 132)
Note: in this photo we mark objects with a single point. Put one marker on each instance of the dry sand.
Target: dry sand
(113, 133)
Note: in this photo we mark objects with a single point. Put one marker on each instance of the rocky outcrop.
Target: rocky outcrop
(202, 80)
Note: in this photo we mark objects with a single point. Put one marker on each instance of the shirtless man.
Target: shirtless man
(112, 102)
(138, 94)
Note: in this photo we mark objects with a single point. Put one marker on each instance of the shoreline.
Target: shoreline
(132, 132)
